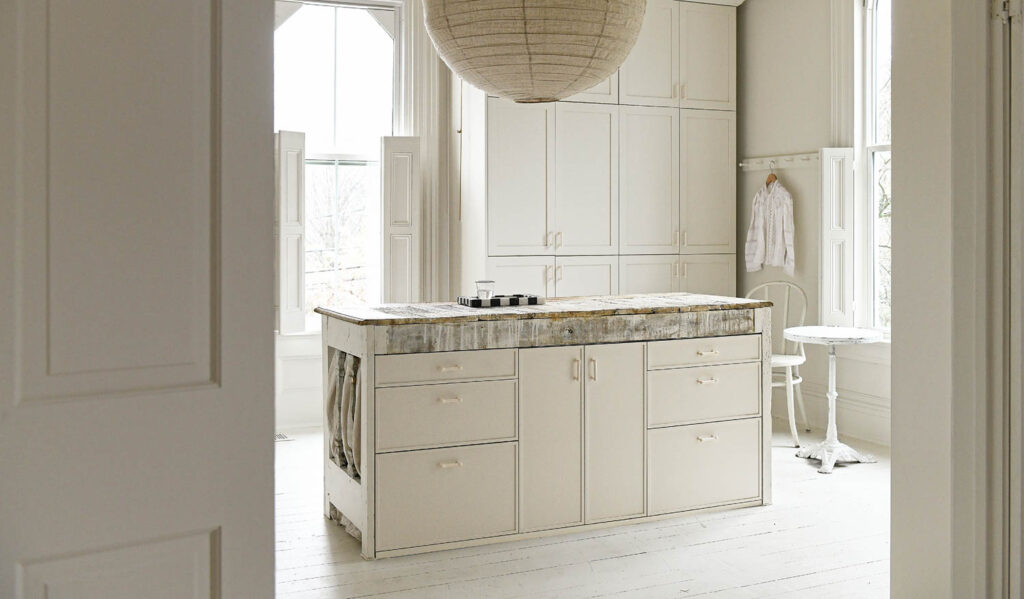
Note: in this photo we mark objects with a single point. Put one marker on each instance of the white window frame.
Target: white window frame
(864, 306)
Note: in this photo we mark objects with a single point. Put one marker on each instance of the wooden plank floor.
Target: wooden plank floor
(825, 536)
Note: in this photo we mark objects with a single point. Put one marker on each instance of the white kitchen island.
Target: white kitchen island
(447, 426)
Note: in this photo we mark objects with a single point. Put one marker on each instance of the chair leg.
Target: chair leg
(800, 404)
(789, 406)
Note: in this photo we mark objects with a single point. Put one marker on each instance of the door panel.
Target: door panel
(520, 154)
(648, 274)
(136, 316)
(714, 274)
(586, 179)
(707, 197)
(650, 74)
(649, 175)
(586, 275)
(707, 56)
(550, 437)
(614, 431)
(522, 274)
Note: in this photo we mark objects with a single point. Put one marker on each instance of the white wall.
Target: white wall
(785, 107)
(298, 381)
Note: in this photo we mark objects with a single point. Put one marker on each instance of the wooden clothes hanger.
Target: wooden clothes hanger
(771, 177)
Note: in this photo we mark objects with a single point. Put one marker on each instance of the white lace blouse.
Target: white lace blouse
(770, 236)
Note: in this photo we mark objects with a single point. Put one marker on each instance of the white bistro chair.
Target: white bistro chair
(790, 310)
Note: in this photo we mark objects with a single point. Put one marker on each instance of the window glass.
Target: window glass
(882, 192)
(883, 72)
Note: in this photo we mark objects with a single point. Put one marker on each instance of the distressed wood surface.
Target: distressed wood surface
(542, 332)
(573, 307)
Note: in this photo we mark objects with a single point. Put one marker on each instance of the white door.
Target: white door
(649, 274)
(606, 92)
(650, 74)
(614, 454)
(586, 179)
(520, 154)
(714, 274)
(707, 56)
(648, 180)
(586, 275)
(136, 300)
(550, 437)
(522, 274)
(707, 195)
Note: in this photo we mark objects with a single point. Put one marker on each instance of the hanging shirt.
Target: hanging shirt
(770, 236)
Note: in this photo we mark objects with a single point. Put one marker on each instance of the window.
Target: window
(876, 159)
(334, 80)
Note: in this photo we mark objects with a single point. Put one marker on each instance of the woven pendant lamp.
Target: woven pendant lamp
(534, 50)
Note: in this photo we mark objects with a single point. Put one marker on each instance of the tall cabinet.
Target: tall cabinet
(629, 187)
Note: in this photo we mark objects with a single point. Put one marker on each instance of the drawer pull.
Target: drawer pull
(451, 464)
(452, 368)
(705, 438)
(710, 352)
(710, 381)
(451, 400)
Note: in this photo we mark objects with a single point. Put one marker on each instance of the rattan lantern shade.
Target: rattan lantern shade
(534, 50)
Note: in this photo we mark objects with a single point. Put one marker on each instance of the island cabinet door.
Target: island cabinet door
(614, 434)
(550, 437)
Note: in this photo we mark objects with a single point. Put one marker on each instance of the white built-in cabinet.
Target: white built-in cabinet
(685, 57)
(633, 179)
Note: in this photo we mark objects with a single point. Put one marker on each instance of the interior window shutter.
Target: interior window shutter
(401, 218)
(290, 167)
(837, 213)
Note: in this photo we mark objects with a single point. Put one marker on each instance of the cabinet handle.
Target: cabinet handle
(682, 269)
(451, 400)
(452, 368)
(706, 438)
(547, 273)
(547, 238)
(558, 273)
(710, 352)
(593, 369)
(576, 369)
(451, 464)
(558, 240)
(682, 91)
(675, 239)
(710, 381)
(675, 270)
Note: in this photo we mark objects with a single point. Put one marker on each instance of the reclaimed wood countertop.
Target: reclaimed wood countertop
(569, 307)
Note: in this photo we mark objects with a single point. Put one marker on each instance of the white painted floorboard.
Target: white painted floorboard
(825, 536)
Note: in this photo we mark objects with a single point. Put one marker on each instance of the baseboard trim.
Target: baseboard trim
(858, 415)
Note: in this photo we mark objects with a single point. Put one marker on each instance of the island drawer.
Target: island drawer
(408, 369)
(703, 465)
(442, 495)
(704, 350)
(445, 414)
(702, 393)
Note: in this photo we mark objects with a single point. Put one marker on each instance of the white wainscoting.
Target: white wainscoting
(298, 387)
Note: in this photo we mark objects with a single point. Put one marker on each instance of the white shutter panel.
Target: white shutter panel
(290, 162)
(401, 210)
(837, 238)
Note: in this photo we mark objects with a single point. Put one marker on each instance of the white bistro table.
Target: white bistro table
(831, 450)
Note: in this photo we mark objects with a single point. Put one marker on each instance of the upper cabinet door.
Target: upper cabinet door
(520, 153)
(707, 197)
(707, 56)
(714, 274)
(648, 274)
(650, 75)
(586, 275)
(606, 92)
(649, 180)
(586, 179)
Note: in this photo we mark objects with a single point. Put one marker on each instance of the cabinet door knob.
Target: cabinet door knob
(450, 368)
(706, 438)
(710, 381)
(451, 400)
(451, 464)
(707, 352)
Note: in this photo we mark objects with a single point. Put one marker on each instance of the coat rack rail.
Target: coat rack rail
(764, 163)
